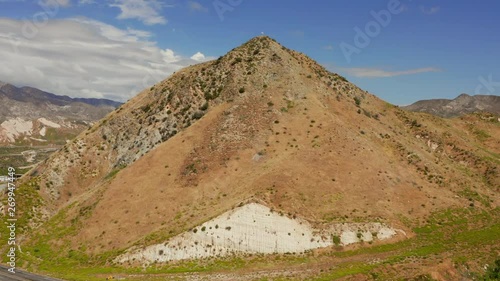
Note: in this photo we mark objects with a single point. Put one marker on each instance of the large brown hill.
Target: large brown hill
(266, 124)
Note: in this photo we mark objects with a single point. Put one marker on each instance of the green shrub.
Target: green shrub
(342, 78)
(197, 115)
(336, 240)
(415, 123)
(493, 272)
(482, 135)
(204, 106)
(357, 101)
(237, 60)
(146, 108)
(208, 96)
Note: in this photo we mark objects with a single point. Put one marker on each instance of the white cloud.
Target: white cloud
(377, 73)
(168, 56)
(298, 33)
(143, 10)
(430, 11)
(85, 2)
(54, 3)
(139, 33)
(328, 48)
(195, 6)
(81, 57)
(198, 57)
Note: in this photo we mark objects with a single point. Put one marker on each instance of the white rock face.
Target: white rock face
(40, 140)
(348, 237)
(432, 145)
(253, 228)
(386, 233)
(350, 233)
(43, 131)
(29, 155)
(49, 123)
(15, 127)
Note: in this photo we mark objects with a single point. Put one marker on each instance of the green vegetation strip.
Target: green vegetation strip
(460, 231)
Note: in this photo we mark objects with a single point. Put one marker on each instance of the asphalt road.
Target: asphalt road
(22, 276)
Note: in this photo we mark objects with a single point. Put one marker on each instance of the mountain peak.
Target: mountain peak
(462, 96)
(256, 75)
(262, 57)
(263, 38)
(254, 46)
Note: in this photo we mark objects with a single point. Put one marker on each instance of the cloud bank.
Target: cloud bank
(80, 57)
(196, 6)
(378, 73)
(142, 10)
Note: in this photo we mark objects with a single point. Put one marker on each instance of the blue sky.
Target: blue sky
(426, 49)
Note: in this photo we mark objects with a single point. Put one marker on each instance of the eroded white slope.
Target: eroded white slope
(49, 123)
(16, 127)
(253, 228)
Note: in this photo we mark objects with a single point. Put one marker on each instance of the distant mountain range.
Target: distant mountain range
(463, 104)
(42, 100)
(33, 95)
(30, 115)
